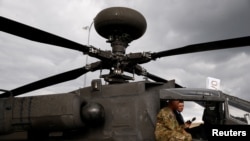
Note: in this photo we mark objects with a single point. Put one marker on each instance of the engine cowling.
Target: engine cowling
(50, 113)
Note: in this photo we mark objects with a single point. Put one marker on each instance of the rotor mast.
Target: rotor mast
(119, 43)
(120, 26)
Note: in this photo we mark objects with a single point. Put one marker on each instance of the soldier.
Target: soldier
(167, 127)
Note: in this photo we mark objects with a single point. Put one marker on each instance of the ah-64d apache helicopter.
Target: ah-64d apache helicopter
(118, 111)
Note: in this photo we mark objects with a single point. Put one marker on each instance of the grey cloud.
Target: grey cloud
(171, 24)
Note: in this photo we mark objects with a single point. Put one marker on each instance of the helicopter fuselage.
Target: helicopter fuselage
(115, 112)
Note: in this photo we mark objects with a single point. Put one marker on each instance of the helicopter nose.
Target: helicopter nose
(93, 114)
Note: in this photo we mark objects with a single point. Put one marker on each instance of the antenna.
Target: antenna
(89, 28)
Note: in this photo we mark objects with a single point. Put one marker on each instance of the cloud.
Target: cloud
(170, 24)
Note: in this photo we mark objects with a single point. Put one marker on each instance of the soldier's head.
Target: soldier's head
(173, 104)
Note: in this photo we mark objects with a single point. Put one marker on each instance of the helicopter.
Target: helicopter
(119, 110)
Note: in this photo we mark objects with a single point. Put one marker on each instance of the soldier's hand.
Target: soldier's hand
(187, 125)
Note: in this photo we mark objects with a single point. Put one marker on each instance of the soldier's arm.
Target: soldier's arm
(170, 122)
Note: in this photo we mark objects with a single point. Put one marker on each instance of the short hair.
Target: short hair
(181, 101)
(171, 100)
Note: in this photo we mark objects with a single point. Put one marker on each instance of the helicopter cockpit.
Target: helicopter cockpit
(215, 108)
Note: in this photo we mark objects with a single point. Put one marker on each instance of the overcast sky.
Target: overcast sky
(170, 24)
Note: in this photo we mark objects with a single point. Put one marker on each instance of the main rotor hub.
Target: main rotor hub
(120, 24)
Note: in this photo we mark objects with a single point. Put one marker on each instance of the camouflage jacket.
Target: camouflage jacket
(167, 127)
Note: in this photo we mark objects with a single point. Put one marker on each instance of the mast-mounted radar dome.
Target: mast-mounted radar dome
(120, 21)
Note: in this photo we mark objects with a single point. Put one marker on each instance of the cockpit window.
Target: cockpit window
(191, 110)
(239, 114)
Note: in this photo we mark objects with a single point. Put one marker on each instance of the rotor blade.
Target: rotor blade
(31, 33)
(140, 71)
(47, 82)
(215, 45)
(63, 77)
(159, 79)
(156, 78)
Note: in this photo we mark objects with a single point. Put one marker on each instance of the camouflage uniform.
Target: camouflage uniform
(168, 129)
